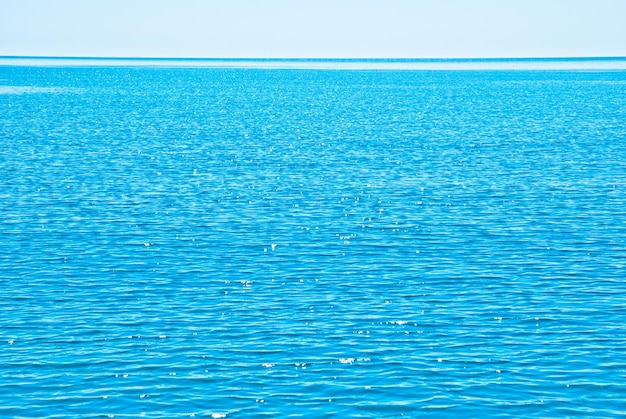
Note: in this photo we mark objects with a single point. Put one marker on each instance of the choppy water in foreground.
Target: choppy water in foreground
(265, 242)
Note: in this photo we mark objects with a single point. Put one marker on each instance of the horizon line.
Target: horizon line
(320, 59)
(513, 63)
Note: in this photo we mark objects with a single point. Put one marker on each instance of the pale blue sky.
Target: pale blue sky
(313, 28)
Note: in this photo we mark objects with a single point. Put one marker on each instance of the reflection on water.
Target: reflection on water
(19, 90)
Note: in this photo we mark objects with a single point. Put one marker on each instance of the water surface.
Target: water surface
(238, 242)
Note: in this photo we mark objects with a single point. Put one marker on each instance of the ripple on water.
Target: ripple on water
(241, 242)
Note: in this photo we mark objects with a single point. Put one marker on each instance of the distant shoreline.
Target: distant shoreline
(542, 63)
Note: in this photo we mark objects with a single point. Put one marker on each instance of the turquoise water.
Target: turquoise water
(242, 242)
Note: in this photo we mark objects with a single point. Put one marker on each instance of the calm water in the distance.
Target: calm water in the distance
(240, 242)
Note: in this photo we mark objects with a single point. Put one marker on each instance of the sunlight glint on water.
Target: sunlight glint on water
(235, 242)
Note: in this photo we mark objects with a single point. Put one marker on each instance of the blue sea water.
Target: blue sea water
(243, 242)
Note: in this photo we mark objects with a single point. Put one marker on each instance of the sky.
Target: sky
(313, 28)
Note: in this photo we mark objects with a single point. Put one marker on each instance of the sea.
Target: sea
(312, 238)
